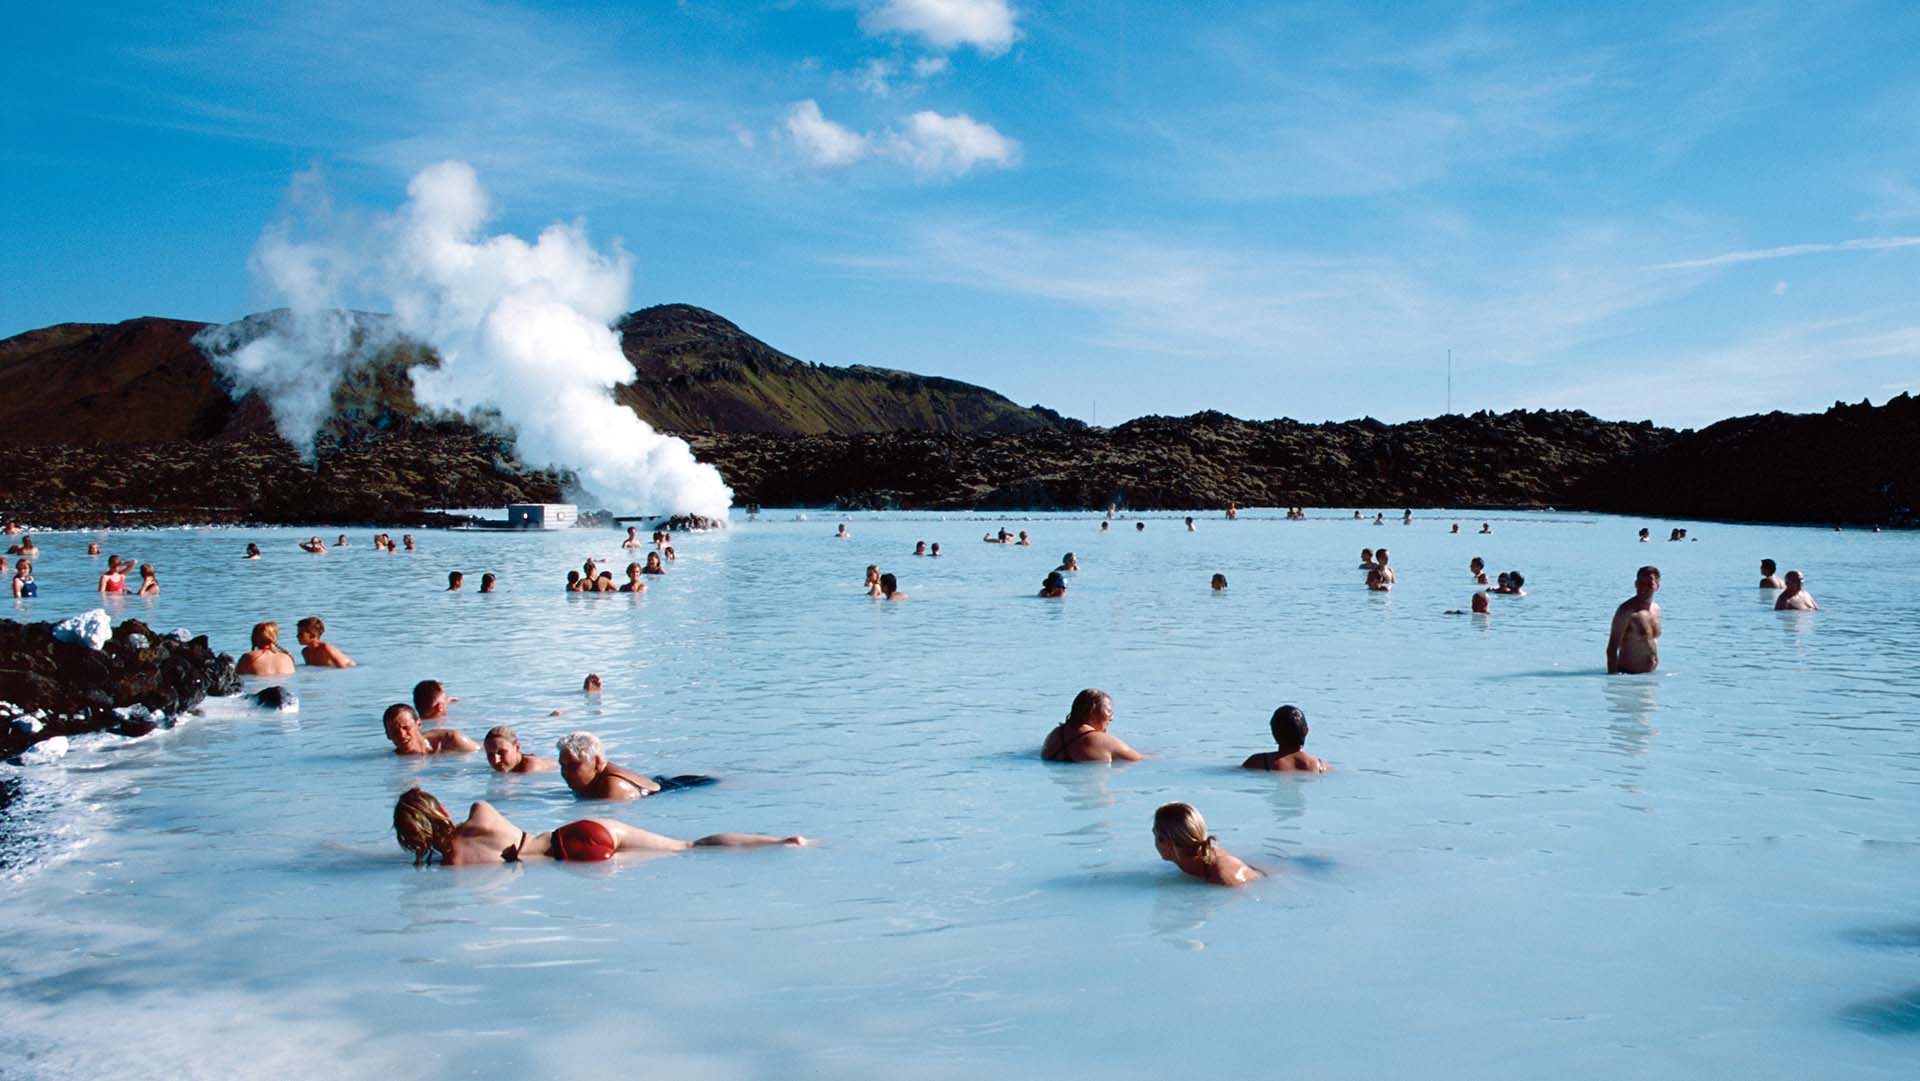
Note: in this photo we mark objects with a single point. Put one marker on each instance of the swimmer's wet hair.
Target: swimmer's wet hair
(1181, 826)
(266, 635)
(581, 745)
(1516, 580)
(422, 826)
(424, 691)
(1083, 705)
(311, 625)
(1768, 566)
(1289, 726)
(591, 683)
(889, 584)
(501, 731)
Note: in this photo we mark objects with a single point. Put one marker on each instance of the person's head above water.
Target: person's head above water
(1289, 727)
(1480, 604)
(503, 748)
(1178, 830)
(454, 580)
(1476, 564)
(1091, 706)
(1515, 580)
(266, 635)
(1646, 580)
(430, 699)
(581, 758)
(422, 826)
(1768, 566)
(486, 582)
(1219, 582)
(591, 684)
(310, 629)
(401, 722)
(889, 585)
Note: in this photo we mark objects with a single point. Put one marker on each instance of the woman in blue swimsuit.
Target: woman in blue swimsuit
(23, 585)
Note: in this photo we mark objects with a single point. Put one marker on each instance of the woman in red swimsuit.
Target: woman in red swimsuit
(425, 829)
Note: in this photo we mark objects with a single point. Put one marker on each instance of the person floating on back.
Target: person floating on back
(1180, 836)
(1633, 642)
(1083, 736)
(1289, 727)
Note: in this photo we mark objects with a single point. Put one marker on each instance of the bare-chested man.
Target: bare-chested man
(430, 699)
(1083, 736)
(1768, 579)
(584, 766)
(1380, 559)
(504, 755)
(1289, 726)
(1633, 642)
(403, 728)
(1795, 599)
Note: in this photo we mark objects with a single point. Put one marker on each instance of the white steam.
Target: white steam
(521, 329)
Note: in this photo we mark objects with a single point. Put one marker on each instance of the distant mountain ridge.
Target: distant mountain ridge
(144, 380)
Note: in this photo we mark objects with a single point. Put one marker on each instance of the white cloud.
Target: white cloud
(928, 66)
(1875, 243)
(875, 77)
(942, 146)
(825, 144)
(987, 25)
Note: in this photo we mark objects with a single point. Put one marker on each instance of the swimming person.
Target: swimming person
(934, 552)
(1485, 528)
(1633, 642)
(1377, 581)
(402, 725)
(890, 588)
(1366, 560)
(1180, 836)
(633, 583)
(319, 654)
(454, 581)
(266, 658)
(591, 684)
(1796, 598)
(1380, 558)
(430, 699)
(1190, 528)
(93, 548)
(1139, 527)
(843, 534)
(1768, 580)
(1083, 736)
(113, 579)
(1289, 727)
(653, 564)
(149, 582)
(486, 582)
(314, 545)
(1645, 534)
(584, 766)
(633, 538)
(1023, 541)
(253, 550)
(1054, 586)
(920, 548)
(23, 583)
(504, 754)
(342, 542)
(1068, 563)
(425, 829)
(1219, 583)
(871, 585)
(1103, 526)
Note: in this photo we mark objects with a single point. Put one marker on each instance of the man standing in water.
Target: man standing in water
(1795, 599)
(1633, 642)
(1768, 580)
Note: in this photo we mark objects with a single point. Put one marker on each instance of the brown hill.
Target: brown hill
(145, 381)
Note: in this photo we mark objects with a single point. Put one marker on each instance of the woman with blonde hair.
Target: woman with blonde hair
(1180, 836)
(1083, 736)
(872, 584)
(424, 828)
(266, 658)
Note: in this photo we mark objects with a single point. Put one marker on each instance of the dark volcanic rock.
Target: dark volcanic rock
(57, 688)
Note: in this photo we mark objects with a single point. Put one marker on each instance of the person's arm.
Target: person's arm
(447, 739)
(16, 587)
(335, 657)
(1117, 748)
(1615, 634)
(745, 840)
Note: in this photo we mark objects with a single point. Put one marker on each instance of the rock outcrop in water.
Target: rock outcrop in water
(137, 681)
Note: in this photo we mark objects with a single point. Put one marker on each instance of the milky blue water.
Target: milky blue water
(1520, 867)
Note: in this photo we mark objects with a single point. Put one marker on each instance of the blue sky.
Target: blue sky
(1675, 212)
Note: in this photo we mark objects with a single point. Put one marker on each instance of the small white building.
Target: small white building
(542, 515)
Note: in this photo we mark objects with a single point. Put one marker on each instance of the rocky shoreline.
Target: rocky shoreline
(74, 678)
(1854, 464)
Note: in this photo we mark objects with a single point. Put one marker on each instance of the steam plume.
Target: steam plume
(521, 329)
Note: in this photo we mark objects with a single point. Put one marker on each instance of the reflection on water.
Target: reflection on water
(1632, 700)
